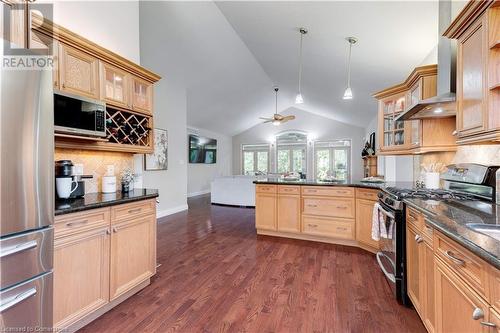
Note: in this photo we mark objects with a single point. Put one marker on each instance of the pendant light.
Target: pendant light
(298, 98)
(348, 90)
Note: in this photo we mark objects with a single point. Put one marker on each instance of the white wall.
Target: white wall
(159, 54)
(320, 128)
(111, 24)
(200, 175)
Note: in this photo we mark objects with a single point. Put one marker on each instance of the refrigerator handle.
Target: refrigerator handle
(18, 248)
(17, 299)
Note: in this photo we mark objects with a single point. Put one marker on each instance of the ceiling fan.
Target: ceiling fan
(277, 118)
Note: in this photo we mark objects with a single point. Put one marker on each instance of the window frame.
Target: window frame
(290, 148)
(255, 149)
(331, 146)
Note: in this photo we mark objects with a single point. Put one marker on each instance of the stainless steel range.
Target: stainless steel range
(461, 182)
(26, 200)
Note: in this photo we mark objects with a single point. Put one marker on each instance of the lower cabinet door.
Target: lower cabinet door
(265, 211)
(133, 259)
(428, 280)
(414, 268)
(81, 275)
(289, 213)
(458, 308)
(364, 211)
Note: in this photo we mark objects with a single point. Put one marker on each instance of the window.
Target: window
(291, 152)
(291, 159)
(332, 159)
(255, 158)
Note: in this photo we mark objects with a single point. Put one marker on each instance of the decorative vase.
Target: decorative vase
(125, 187)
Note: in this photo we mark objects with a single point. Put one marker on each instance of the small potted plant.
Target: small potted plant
(127, 180)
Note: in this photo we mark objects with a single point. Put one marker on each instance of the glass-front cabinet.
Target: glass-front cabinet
(417, 136)
(393, 131)
(115, 85)
(142, 96)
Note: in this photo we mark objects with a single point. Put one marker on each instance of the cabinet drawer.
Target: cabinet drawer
(328, 191)
(82, 221)
(367, 194)
(336, 207)
(266, 188)
(320, 226)
(469, 267)
(282, 189)
(415, 219)
(133, 210)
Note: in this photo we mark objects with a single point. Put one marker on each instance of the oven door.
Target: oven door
(386, 257)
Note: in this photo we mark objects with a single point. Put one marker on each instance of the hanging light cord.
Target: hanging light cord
(349, 67)
(276, 105)
(300, 62)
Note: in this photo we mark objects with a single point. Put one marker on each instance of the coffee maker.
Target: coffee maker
(65, 169)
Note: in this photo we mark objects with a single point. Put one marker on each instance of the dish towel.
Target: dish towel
(376, 222)
(382, 227)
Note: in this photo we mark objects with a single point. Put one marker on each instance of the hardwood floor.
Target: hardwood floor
(217, 275)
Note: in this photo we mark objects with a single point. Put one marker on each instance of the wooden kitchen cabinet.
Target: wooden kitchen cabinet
(428, 299)
(364, 212)
(288, 208)
(81, 274)
(133, 248)
(78, 72)
(100, 255)
(265, 211)
(471, 104)
(412, 136)
(457, 304)
(415, 268)
(142, 96)
(476, 29)
(15, 10)
(115, 85)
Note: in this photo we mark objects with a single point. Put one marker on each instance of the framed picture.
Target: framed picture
(158, 160)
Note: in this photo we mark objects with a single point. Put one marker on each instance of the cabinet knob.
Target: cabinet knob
(108, 232)
(419, 239)
(477, 314)
(115, 230)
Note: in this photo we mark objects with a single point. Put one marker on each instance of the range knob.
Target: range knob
(389, 201)
(380, 195)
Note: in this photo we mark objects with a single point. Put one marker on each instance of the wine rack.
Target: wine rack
(128, 128)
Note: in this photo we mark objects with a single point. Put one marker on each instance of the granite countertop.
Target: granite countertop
(99, 200)
(280, 181)
(451, 217)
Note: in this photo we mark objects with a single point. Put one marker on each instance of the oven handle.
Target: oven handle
(386, 213)
(17, 299)
(390, 276)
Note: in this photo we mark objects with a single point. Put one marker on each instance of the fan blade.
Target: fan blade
(287, 118)
(267, 119)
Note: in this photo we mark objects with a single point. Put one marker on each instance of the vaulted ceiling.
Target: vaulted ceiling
(235, 51)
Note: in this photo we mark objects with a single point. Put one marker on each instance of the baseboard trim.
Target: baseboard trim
(323, 239)
(171, 211)
(194, 194)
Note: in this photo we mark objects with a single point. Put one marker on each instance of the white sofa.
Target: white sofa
(234, 190)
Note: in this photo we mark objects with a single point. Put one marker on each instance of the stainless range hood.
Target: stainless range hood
(444, 104)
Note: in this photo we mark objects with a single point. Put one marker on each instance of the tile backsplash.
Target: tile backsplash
(95, 163)
(481, 154)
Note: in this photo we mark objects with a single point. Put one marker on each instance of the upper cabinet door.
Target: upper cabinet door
(114, 85)
(471, 115)
(142, 96)
(78, 72)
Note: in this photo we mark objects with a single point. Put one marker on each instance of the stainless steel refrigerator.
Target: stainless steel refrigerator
(26, 199)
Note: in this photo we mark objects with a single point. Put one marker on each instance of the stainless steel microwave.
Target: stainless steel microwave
(79, 115)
